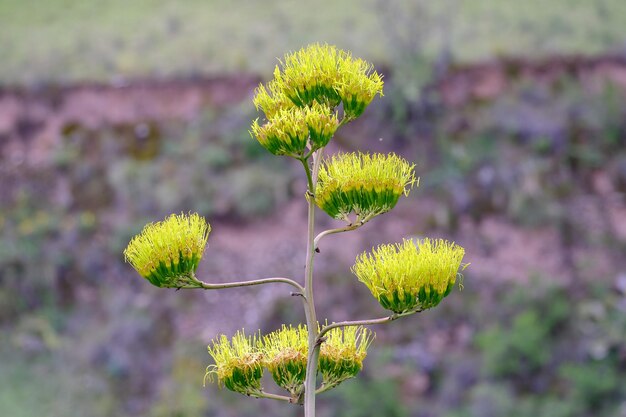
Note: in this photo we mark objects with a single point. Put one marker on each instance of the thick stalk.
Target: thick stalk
(309, 303)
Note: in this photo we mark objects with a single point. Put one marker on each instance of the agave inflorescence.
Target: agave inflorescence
(285, 356)
(358, 86)
(366, 185)
(315, 80)
(410, 275)
(238, 363)
(167, 253)
(342, 354)
(314, 91)
(311, 74)
(295, 131)
(324, 74)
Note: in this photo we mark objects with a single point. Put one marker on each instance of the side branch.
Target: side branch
(196, 283)
(352, 226)
(263, 394)
(394, 316)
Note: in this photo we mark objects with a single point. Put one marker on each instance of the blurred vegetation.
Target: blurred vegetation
(67, 40)
(65, 221)
(530, 150)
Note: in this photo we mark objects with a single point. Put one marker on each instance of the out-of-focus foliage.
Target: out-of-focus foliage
(68, 40)
(530, 152)
(66, 220)
(554, 355)
(537, 352)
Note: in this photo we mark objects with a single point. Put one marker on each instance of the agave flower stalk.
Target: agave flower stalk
(314, 92)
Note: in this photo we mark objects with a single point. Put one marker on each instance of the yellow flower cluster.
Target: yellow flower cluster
(364, 184)
(271, 99)
(410, 275)
(315, 76)
(358, 87)
(285, 356)
(311, 74)
(167, 253)
(342, 354)
(290, 131)
(239, 365)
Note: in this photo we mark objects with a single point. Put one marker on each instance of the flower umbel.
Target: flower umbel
(342, 354)
(311, 74)
(238, 364)
(410, 275)
(271, 99)
(358, 86)
(285, 356)
(364, 184)
(167, 253)
(320, 73)
(291, 131)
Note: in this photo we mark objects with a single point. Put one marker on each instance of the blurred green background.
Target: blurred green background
(114, 114)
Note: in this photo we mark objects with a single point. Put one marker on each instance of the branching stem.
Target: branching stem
(352, 226)
(263, 394)
(209, 286)
(381, 320)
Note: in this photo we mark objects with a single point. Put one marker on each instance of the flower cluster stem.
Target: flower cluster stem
(352, 226)
(263, 394)
(366, 322)
(208, 286)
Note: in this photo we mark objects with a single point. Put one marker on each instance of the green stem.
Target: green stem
(367, 322)
(324, 388)
(347, 228)
(344, 121)
(309, 179)
(263, 394)
(208, 286)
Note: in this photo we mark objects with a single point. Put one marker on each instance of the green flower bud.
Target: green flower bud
(342, 354)
(292, 131)
(167, 253)
(238, 364)
(285, 356)
(409, 276)
(364, 184)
